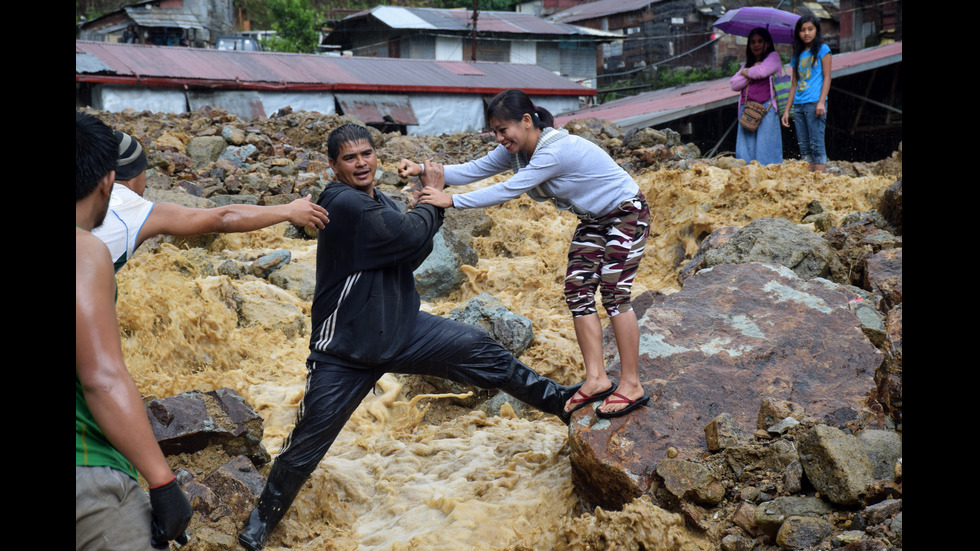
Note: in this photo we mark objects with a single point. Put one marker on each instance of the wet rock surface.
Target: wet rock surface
(732, 337)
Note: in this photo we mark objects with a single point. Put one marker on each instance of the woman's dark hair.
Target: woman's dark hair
(511, 105)
(770, 48)
(799, 47)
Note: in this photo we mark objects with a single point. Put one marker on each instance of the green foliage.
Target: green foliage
(668, 78)
(296, 25)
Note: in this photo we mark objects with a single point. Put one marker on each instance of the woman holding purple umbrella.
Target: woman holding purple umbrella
(754, 81)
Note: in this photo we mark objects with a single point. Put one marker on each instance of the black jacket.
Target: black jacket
(366, 305)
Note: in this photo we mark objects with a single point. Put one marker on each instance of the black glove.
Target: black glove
(171, 514)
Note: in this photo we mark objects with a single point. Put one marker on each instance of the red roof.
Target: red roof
(136, 64)
(662, 106)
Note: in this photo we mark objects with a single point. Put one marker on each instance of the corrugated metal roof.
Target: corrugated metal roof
(602, 8)
(662, 106)
(169, 17)
(139, 64)
(461, 21)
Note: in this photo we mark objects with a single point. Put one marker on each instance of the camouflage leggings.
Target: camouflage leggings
(605, 253)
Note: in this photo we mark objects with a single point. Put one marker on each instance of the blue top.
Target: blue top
(810, 81)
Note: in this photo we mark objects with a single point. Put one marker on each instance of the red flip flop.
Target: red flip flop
(587, 399)
(633, 404)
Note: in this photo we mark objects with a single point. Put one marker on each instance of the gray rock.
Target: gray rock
(298, 277)
(783, 425)
(872, 216)
(204, 150)
(194, 420)
(232, 269)
(754, 331)
(835, 463)
(440, 274)
(803, 532)
(232, 135)
(772, 411)
(723, 432)
(237, 485)
(512, 331)
(243, 199)
(771, 515)
(492, 406)
(238, 155)
(776, 241)
(793, 477)
(691, 481)
(880, 512)
(896, 525)
(883, 448)
(716, 239)
(268, 263)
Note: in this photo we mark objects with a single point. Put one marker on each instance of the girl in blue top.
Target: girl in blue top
(808, 91)
(577, 175)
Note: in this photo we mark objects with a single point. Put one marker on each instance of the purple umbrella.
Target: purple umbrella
(779, 23)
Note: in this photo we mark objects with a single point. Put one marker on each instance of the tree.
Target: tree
(296, 25)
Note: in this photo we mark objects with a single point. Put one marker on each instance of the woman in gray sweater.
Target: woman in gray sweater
(576, 175)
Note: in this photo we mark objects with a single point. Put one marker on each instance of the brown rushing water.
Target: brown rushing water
(393, 482)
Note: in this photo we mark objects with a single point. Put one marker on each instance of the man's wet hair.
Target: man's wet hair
(348, 133)
(96, 149)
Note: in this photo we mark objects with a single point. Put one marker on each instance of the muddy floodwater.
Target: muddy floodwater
(393, 480)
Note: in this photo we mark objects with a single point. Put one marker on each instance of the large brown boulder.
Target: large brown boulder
(733, 337)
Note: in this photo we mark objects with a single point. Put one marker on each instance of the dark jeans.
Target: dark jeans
(439, 347)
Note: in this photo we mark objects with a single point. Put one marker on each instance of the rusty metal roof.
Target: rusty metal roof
(169, 17)
(601, 8)
(461, 21)
(662, 106)
(137, 64)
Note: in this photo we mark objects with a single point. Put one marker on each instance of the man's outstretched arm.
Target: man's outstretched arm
(172, 219)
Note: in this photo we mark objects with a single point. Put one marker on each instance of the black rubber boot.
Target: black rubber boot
(280, 491)
(527, 386)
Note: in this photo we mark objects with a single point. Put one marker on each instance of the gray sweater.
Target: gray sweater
(570, 171)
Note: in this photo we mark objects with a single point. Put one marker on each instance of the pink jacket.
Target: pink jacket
(770, 66)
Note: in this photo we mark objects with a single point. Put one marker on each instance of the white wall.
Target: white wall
(449, 48)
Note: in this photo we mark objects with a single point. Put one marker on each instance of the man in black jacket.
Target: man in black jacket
(366, 322)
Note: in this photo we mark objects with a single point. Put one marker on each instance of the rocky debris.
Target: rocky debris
(194, 420)
(883, 275)
(514, 332)
(266, 305)
(803, 532)
(298, 277)
(723, 432)
(468, 223)
(732, 337)
(836, 464)
(775, 241)
(854, 244)
(266, 264)
(213, 442)
(884, 449)
(888, 377)
(691, 481)
(440, 273)
(891, 205)
(715, 239)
